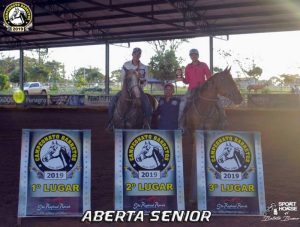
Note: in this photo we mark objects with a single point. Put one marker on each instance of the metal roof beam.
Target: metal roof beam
(51, 10)
(204, 8)
(113, 7)
(189, 13)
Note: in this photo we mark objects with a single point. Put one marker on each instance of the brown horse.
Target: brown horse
(203, 112)
(128, 113)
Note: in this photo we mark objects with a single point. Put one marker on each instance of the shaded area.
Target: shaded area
(280, 131)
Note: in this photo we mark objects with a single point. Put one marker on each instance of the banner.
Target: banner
(55, 178)
(7, 100)
(66, 100)
(148, 170)
(230, 172)
(98, 100)
(36, 100)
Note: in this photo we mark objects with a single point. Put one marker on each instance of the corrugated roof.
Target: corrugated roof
(74, 22)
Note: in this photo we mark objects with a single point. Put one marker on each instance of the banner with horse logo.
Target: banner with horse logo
(55, 178)
(148, 170)
(230, 172)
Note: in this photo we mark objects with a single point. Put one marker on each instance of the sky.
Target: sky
(276, 53)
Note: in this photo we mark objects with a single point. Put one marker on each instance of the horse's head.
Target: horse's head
(131, 83)
(15, 14)
(53, 152)
(227, 87)
(146, 152)
(227, 153)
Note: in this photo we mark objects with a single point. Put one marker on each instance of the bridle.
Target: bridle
(125, 117)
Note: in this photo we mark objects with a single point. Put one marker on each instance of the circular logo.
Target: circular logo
(230, 153)
(149, 152)
(17, 17)
(55, 152)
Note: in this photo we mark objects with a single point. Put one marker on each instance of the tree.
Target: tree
(246, 65)
(116, 76)
(217, 69)
(164, 63)
(289, 79)
(55, 71)
(4, 81)
(274, 80)
(87, 75)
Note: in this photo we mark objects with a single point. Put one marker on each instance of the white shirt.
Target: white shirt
(143, 70)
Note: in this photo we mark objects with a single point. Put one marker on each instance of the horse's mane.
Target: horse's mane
(208, 83)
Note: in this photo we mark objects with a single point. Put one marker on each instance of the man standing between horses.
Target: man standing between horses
(134, 64)
(168, 109)
(196, 73)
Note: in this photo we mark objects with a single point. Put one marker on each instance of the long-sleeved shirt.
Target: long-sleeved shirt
(196, 74)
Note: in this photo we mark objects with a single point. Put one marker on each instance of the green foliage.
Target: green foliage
(217, 69)
(116, 76)
(34, 69)
(164, 63)
(290, 79)
(80, 81)
(55, 71)
(4, 81)
(275, 81)
(266, 91)
(247, 65)
(87, 75)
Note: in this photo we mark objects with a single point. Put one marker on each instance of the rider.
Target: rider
(134, 64)
(196, 73)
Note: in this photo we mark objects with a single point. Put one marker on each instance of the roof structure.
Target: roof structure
(59, 23)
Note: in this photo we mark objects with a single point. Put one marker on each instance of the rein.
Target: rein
(208, 99)
(207, 116)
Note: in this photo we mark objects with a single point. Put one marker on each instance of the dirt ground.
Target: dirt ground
(280, 131)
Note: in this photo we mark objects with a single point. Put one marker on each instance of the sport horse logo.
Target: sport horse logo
(149, 152)
(17, 17)
(55, 152)
(230, 153)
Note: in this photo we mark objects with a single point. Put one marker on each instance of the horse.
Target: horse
(150, 151)
(202, 111)
(128, 113)
(57, 151)
(256, 87)
(18, 14)
(232, 153)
